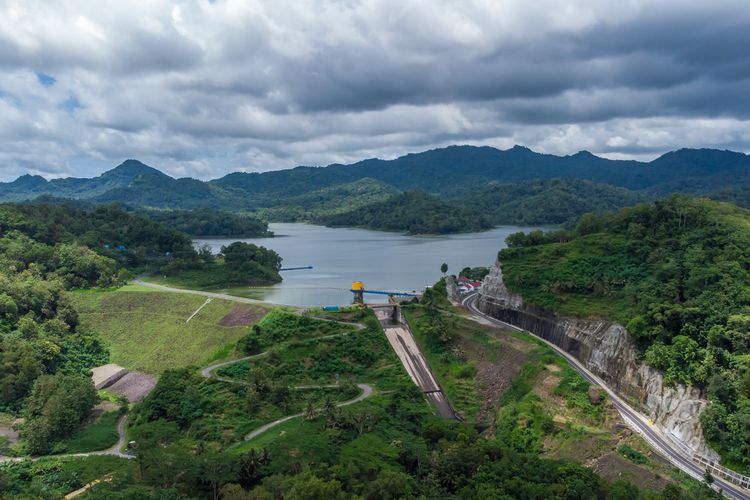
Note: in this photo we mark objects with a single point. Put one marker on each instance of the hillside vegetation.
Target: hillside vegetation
(45, 353)
(414, 213)
(203, 222)
(676, 272)
(511, 184)
(554, 201)
(328, 201)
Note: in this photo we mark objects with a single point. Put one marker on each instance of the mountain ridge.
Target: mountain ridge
(448, 172)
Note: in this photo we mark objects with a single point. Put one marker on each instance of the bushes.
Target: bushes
(631, 454)
(175, 398)
(57, 406)
(250, 343)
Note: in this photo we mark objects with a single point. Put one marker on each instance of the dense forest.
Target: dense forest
(414, 213)
(203, 222)
(553, 201)
(342, 198)
(48, 249)
(676, 272)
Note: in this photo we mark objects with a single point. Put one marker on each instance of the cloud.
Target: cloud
(201, 88)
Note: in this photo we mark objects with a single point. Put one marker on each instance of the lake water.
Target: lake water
(383, 261)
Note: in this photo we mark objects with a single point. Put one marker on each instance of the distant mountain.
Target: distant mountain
(452, 172)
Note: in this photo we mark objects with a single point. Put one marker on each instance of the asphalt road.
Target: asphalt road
(637, 421)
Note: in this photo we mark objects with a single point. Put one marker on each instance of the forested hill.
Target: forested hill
(448, 172)
(414, 213)
(677, 273)
(552, 201)
(204, 223)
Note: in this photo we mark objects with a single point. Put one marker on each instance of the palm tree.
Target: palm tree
(310, 413)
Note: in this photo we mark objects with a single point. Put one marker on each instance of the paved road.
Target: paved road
(635, 420)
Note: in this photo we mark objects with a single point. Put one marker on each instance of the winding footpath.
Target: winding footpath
(208, 372)
(635, 420)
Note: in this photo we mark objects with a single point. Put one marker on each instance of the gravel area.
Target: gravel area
(134, 386)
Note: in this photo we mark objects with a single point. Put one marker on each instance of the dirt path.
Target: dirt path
(208, 372)
(367, 391)
(114, 450)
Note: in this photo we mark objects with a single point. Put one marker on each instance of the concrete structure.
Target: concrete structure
(402, 341)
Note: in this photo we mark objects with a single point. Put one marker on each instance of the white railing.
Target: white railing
(718, 470)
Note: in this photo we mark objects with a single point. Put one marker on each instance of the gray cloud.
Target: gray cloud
(204, 88)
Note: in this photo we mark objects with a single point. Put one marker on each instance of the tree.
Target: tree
(306, 486)
(310, 412)
(390, 484)
(249, 345)
(8, 308)
(57, 406)
(330, 411)
(217, 469)
(443, 268)
(175, 398)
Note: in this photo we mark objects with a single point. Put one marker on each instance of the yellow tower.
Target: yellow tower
(358, 289)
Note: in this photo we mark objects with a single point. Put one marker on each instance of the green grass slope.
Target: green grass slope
(147, 330)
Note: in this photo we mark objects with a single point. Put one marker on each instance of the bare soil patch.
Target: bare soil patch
(494, 377)
(614, 466)
(134, 386)
(7, 431)
(243, 315)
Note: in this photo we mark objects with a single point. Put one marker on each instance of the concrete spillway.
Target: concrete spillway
(402, 341)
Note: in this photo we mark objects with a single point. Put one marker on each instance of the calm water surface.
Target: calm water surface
(383, 261)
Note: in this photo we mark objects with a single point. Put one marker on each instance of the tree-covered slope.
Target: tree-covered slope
(156, 190)
(328, 201)
(553, 201)
(203, 222)
(412, 212)
(449, 172)
(677, 273)
(108, 230)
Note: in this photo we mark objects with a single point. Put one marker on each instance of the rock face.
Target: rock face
(606, 350)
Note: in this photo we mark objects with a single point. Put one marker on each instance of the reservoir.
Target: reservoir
(383, 261)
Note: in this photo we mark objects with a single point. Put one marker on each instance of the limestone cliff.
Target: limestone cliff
(606, 350)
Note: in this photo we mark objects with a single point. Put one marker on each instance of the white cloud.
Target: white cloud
(203, 88)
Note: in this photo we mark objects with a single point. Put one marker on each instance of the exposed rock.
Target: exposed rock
(606, 350)
(452, 288)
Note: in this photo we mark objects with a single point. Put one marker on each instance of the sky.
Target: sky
(204, 88)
